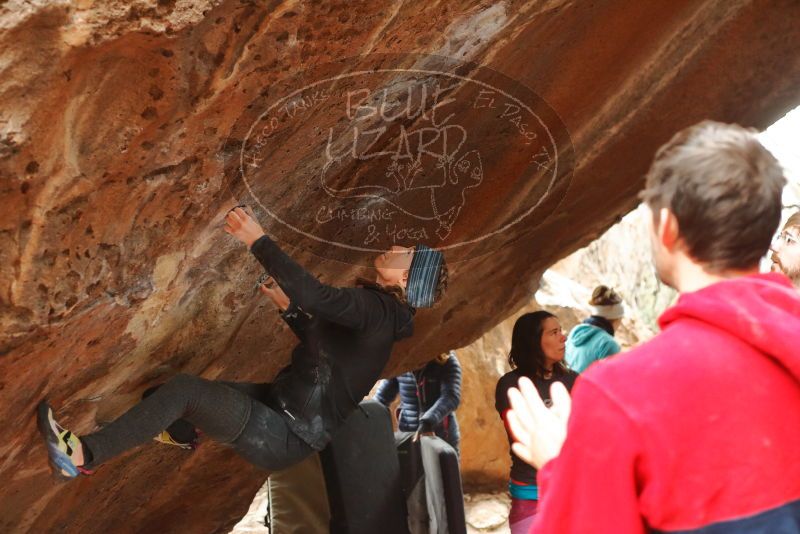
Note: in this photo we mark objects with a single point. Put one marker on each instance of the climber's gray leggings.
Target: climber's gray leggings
(228, 412)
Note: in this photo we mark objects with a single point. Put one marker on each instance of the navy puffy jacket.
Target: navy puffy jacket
(428, 398)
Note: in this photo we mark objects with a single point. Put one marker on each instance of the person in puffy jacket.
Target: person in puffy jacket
(429, 398)
(593, 339)
(345, 338)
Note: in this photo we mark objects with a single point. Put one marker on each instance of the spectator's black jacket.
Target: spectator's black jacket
(521, 471)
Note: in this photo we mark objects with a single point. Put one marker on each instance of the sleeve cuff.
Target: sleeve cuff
(543, 476)
(291, 311)
(260, 241)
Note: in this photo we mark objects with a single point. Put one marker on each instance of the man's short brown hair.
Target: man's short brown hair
(724, 188)
(793, 222)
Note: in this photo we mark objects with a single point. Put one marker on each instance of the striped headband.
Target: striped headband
(423, 276)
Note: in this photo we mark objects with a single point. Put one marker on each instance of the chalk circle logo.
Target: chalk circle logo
(353, 157)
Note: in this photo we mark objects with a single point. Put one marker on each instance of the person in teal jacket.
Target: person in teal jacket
(593, 339)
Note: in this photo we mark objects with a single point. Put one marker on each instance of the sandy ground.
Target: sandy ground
(486, 513)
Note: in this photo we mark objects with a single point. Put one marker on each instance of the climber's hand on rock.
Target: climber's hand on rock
(242, 226)
(539, 432)
(272, 290)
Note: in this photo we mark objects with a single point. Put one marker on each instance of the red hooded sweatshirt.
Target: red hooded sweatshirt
(697, 430)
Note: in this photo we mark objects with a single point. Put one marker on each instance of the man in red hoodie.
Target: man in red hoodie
(697, 430)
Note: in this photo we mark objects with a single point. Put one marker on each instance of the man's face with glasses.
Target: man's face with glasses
(786, 254)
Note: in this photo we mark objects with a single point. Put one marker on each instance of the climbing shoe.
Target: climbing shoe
(61, 444)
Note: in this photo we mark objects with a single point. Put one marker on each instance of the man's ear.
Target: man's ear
(668, 231)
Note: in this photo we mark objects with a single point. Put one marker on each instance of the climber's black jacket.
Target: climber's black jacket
(346, 337)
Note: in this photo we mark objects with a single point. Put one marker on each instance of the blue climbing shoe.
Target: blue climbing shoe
(61, 444)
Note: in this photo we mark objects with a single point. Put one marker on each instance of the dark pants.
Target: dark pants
(228, 412)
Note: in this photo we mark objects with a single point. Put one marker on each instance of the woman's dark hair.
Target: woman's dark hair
(600, 322)
(526, 346)
(396, 291)
(442, 283)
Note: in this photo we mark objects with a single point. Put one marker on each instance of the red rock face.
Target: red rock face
(122, 134)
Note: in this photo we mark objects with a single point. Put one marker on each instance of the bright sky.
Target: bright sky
(783, 140)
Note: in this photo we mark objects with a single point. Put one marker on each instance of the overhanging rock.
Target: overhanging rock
(510, 132)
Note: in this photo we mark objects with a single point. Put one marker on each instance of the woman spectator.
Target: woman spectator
(593, 339)
(537, 352)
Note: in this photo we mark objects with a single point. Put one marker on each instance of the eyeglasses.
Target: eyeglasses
(786, 238)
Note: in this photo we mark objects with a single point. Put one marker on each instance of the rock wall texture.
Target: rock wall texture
(510, 132)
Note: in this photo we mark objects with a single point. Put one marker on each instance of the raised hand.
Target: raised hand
(242, 226)
(539, 431)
